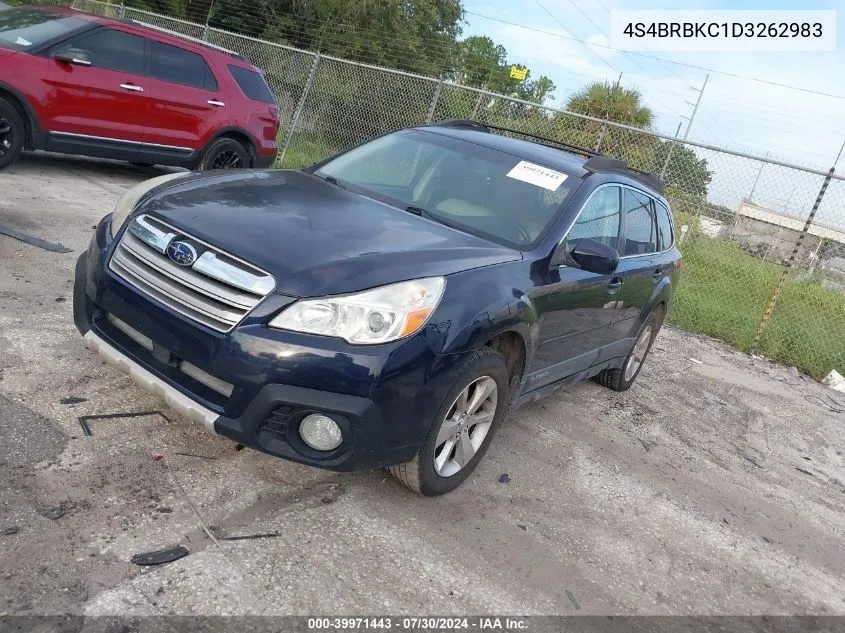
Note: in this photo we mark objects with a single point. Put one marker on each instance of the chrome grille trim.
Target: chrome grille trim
(219, 301)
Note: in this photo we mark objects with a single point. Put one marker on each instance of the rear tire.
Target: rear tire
(12, 134)
(441, 465)
(621, 378)
(225, 153)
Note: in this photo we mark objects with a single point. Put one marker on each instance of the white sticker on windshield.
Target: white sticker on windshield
(537, 175)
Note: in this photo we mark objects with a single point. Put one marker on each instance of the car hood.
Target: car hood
(314, 237)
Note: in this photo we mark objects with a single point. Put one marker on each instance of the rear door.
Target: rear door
(186, 100)
(101, 109)
(575, 306)
(641, 267)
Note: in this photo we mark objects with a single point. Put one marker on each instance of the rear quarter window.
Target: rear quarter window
(665, 233)
(252, 84)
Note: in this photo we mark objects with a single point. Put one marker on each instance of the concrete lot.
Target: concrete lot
(714, 486)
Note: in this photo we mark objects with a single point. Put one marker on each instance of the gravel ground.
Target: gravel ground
(714, 486)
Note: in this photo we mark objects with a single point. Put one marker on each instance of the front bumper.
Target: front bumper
(384, 397)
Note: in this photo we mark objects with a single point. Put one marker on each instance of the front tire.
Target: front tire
(621, 378)
(225, 153)
(12, 134)
(464, 426)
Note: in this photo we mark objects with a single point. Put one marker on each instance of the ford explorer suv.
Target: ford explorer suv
(389, 306)
(77, 83)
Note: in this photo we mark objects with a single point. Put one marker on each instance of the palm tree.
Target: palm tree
(612, 102)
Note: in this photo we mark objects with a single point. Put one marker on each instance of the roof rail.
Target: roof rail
(234, 54)
(596, 161)
(607, 164)
(550, 142)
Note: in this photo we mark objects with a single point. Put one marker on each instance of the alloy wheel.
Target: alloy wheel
(227, 159)
(5, 136)
(466, 426)
(638, 353)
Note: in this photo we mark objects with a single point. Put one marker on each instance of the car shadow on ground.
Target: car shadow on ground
(93, 166)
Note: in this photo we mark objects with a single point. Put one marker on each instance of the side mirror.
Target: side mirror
(595, 257)
(73, 56)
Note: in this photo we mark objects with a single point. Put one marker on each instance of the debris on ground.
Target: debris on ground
(56, 512)
(161, 556)
(12, 529)
(504, 478)
(72, 400)
(835, 380)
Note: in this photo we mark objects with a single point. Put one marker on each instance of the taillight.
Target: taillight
(680, 263)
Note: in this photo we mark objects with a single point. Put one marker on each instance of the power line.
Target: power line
(659, 59)
(587, 44)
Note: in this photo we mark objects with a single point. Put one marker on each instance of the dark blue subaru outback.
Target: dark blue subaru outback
(388, 306)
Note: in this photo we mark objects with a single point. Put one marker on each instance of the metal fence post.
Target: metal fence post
(434, 101)
(477, 106)
(293, 122)
(601, 136)
(773, 300)
(122, 13)
(669, 154)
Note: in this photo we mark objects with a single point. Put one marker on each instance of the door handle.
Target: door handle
(614, 286)
(132, 87)
(215, 102)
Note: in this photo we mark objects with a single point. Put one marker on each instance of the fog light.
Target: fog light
(320, 432)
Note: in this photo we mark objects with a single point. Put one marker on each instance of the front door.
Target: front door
(575, 307)
(101, 109)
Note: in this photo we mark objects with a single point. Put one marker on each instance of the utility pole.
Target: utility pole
(689, 125)
(697, 103)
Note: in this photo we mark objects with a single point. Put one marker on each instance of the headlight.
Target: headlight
(128, 201)
(379, 315)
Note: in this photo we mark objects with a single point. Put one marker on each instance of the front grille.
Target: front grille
(279, 422)
(216, 290)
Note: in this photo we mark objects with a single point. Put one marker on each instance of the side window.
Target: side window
(598, 220)
(664, 227)
(114, 50)
(179, 66)
(640, 228)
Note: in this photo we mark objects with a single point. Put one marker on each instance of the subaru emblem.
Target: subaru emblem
(182, 253)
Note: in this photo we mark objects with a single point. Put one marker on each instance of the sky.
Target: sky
(794, 126)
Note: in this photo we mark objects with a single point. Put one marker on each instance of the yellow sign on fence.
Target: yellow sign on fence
(519, 73)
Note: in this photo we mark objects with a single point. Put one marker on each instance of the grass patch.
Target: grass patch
(305, 150)
(724, 291)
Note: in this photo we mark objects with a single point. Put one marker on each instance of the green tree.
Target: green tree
(418, 36)
(685, 171)
(612, 102)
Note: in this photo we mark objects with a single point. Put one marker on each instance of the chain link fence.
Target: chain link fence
(760, 272)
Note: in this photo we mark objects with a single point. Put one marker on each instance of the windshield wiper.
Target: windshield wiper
(332, 180)
(425, 213)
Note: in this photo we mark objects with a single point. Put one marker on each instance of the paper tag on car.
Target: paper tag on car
(537, 175)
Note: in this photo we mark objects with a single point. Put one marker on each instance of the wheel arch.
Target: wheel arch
(35, 136)
(236, 134)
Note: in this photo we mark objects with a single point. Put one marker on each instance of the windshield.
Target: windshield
(479, 190)
(23, 28)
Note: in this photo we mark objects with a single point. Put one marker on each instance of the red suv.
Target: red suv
(77, 83)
